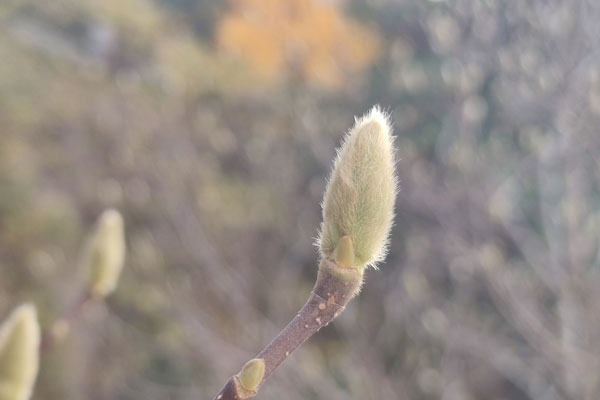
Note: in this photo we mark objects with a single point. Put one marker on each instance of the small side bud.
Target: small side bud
(105, 253)
(252, 374)
(19, 353)
(359, 199)
(343, 254)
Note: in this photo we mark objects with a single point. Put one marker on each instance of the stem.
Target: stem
(61, 326)
(334, 288)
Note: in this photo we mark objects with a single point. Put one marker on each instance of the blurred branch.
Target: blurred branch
(62, 326)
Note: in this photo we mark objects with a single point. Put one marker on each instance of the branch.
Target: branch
(334, 288)
(104, 256)
(358, 210)
(61, 327)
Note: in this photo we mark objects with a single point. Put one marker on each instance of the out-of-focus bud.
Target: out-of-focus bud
(105, 253)
(19, 353)
(359, 199)
(252, 374)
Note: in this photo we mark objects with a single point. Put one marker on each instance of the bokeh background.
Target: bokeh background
(212, 125)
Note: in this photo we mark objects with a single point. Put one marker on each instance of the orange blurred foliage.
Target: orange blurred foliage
(305, 37)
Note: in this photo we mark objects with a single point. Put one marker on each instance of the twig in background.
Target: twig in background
(103, 256)
(20, 340)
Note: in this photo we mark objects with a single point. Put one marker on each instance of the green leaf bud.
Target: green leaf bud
(343, 254)
(359, 199)
(105, 253)
(19, 353)
(252, 374)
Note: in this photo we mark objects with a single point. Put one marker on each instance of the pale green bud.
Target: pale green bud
(359, 199)
(105, 253)
(19, 353)
(343, 254)
(252, 374)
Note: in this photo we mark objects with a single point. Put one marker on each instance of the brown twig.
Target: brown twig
(334, 288)
(60, 328)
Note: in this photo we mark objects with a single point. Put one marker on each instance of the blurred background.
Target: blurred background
(212, 126)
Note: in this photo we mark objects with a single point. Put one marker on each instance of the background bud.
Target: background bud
(19, 353)
(105, 253)
(359, 199)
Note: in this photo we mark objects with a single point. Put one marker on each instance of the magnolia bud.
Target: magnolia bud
(359, 199)
(19, 353)
(105, 254)
(252, 374)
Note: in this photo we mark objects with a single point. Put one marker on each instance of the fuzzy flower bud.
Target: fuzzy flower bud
(358, 206)
(19, 353)
(105, 253)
